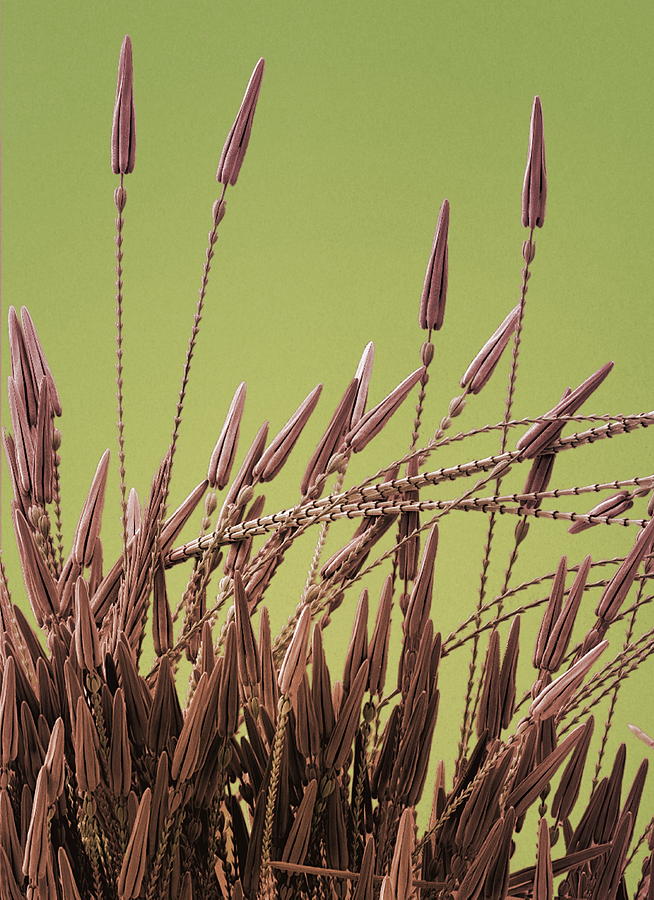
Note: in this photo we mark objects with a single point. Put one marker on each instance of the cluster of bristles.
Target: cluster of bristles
(272, 779)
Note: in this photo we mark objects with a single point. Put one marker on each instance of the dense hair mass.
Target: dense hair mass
(280, 775)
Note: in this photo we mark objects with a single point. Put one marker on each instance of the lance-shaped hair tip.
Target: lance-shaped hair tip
(233, 154)
(534, 189)
(123, 130)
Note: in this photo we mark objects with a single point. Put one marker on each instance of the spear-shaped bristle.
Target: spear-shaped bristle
(538, 478)
(178, 519)
(120, 757)
(233, 154)
(373, 421)
(508, 673)
(281, 445)
(87, 765)
(133, 513)
(349, 559)
(618, 587)
(321, 689)
(544, 877)
(337, 837)
(340, 742)
(543, 434)
(8, 715)
(401, 873)
(434, 291)
(610, 810)
(297, 842)
(362, 375)
(220, 464)
(570, 784)
(41, 586)
(554, 696)
(358, 646)
(133, 868)
(632, 803)
(378, 647)
(307, 729)
(483, 365)
(489, 717)
(90, 520)
(165, 718)
(123, 129)
(23, 375)
(53, 763)
(615, 505)
(269, 688)
(228, 696)
(332, 439)
(534, 190)
(43, 465)
(10, 843)
(498, 876)
(364, 889)
(37, 360)
(161, 802)
(611, 873)
(293, 666)
(552, 613)
(87, 641)
(248, 655)
(561, 630)
(641, 735)
(187, 749)
(66, 877)
(162, 620)
(244, 476)
(419, 604)
(37, 845)
(23, 440)
(472, 884)
(21, 498)
(524, 793)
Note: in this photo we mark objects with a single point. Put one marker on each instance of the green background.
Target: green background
(370, 114)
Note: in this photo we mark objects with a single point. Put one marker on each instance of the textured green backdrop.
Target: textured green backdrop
(370, 114)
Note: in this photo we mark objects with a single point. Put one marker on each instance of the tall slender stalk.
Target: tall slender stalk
(120, 198)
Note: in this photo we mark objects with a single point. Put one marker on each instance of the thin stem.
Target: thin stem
(466, 725)
(322, 537)
(120, 197)
(498, 618)
(197, 319)
(401, 558)
(56, 502)
(420, 405)
(639, 843)
(616, 690)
